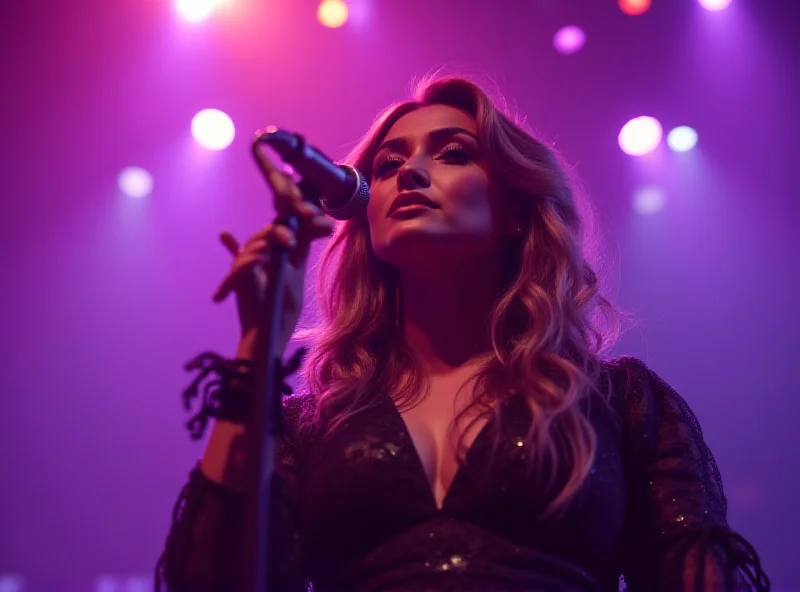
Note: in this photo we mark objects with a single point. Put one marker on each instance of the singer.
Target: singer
(459, 430)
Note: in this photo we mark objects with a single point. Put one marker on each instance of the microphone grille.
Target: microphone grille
(357, 202)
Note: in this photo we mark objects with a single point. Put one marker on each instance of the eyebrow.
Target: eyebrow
(439, 134)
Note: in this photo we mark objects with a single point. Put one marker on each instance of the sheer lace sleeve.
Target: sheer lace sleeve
(203, 544)
(678, 538)
(203, 551)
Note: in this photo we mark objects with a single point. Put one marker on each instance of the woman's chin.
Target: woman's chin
(415, 247)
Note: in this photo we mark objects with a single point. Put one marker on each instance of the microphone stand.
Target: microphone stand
(264, 494)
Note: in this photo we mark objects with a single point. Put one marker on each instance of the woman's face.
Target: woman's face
(431, 192)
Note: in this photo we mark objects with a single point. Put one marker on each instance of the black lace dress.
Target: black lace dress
(360, 515)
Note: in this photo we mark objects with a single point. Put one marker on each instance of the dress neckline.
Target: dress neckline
(419, 467)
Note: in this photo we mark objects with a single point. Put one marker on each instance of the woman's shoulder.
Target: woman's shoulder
(298, 401)
(298, 407)
(298, 418)
(646, 398)
(630, 375)
(626, 365)
(634, 385)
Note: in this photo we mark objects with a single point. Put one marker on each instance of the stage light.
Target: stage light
(195, 11)
(213, 129)
(682, 139)
(634, 7)
(569, 40)
(11, 583)
(135, 182)
(139, 584)
(107, 584)
(332, 13)
(649, 200)
(640, 136)
(715, 4)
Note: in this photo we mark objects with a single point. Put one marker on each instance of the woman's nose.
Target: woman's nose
(412, 176)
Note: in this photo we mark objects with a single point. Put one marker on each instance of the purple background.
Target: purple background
(105, 297)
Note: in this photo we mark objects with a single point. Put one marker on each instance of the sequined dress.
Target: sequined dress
(358, 513)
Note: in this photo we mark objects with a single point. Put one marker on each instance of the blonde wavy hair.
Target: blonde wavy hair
(549, 322)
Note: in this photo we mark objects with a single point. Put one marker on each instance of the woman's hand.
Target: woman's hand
(248, 277)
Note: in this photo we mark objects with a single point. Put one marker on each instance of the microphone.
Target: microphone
(343, 191)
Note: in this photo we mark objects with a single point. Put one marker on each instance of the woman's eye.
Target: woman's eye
(386, 166)
(455, 152)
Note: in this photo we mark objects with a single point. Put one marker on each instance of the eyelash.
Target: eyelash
(453, 150)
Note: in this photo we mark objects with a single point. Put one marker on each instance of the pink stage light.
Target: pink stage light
(715, 4)
(332, 13)
(213, 129)
(569, 40)
(640, 136)
(634, 7)
(135, 182)
(195, 11)
(649, 200)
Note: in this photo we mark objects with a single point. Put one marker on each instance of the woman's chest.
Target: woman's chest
(443, 429)
(371, 481)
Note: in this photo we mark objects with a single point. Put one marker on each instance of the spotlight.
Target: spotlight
(634, 7)
(332, 13)
(569, 40)
(682, 139)
(195, 11)
(135, 182)
(649, 200)
(213, 129)
(11, 583)
(715, 4)
(640, 136)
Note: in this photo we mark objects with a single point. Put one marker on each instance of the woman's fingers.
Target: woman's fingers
(311, 228)
(320, 226)
(254, 252)
(244, 264)
(271, 234)
(287, 195)
(313, 223)
(229, 242)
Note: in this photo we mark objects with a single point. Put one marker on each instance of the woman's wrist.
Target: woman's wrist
(252, 345)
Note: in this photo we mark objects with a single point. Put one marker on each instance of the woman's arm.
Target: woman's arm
(677, 535)
(204, 548)
(224, 458)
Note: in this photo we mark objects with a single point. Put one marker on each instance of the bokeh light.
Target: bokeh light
(682, 139)
(213, 129)
(715, 4)
(195, 11)
(11, 583)
(135, 182)
(649, 200)
(640, 136)
(569, 40)
(634, 7)
(332, 13)
(112, 583)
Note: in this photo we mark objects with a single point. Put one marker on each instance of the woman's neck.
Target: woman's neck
(446, 314)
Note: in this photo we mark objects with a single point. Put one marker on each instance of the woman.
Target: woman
(460, 431)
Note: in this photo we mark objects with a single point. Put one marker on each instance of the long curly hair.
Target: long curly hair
(549, 322)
